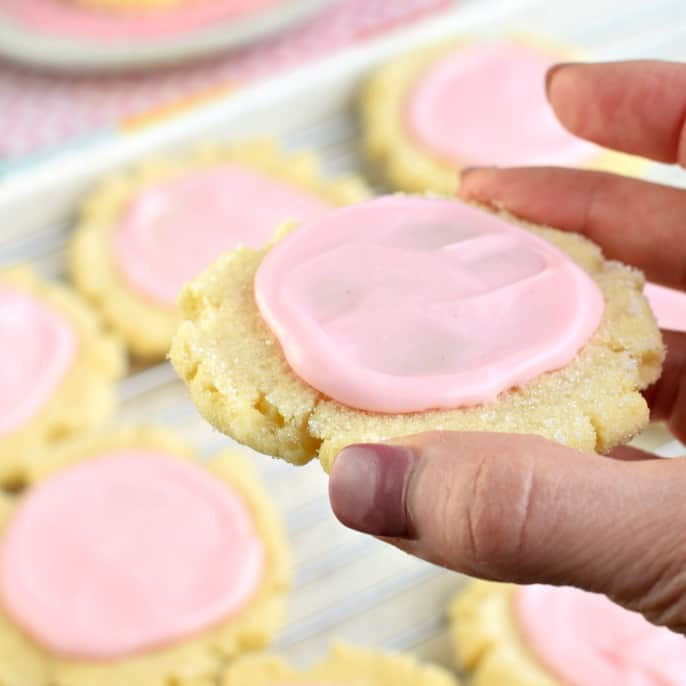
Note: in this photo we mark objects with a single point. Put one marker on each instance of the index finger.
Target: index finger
(637, 107)
(639, 223)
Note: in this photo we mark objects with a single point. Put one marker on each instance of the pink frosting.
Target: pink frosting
(65, 18)
(37, 349)
(586, 640)
(126, 553)
(486, 105)
(406, 304)
(173, 230)
(668, 305)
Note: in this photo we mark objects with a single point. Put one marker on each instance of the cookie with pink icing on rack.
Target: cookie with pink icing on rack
(433, 112)
(408, 314)
(128, 563)
(58, 369)
(145, 233)
(551, 636)
(345, 666)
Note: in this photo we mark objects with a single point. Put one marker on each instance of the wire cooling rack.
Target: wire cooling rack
(346, 585)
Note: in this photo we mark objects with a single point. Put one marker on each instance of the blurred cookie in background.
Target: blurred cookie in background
(144, 233)
(58, 369)
(128, 563)
(442, 108)
(550, 636)
(346, 665)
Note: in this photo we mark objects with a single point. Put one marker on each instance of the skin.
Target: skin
(519, 508)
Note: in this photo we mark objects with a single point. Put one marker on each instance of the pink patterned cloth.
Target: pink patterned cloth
(40, 111)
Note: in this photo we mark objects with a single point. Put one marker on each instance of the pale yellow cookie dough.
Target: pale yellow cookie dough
(21, 662)
(405, 163)
(345, 666)
(241, 383)
(487, 640)
(84, 399)
(145, 325)
(198, 660)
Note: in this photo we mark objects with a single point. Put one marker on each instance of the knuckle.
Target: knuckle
(652, 577)
(663, 599)
(498, 515)
(681, 140)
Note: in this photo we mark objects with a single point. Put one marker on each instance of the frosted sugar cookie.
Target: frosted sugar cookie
(668, 305)
(127, 563)
(144, 234)
(435, 111)
(408, 314)
(57, 369)
(548, 636)
(345, 666)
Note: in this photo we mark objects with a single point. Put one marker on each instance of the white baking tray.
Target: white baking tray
(47, 193)
(347, 585)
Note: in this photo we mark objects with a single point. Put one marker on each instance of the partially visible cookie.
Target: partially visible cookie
(345, 666)
(127, 563)
(21, 661)
(668, 305)
(549, 636)
(58, 369)
(429, 114)
(146, 232)
(502, 326)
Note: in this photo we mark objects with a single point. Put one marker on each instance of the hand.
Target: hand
(520, 508)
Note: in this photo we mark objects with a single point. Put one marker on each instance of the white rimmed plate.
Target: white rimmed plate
(22, 43)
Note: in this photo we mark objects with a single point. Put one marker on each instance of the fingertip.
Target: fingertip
(474, 183)
(466, 171)
(572, 91)
(367, 488)
(552, 72)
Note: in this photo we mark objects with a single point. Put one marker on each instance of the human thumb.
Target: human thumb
(522, 509)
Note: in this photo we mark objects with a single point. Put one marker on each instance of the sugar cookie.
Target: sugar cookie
(127, 563)
(145, 233)
(428, 114)
(549, 636)
(345, 666)
(355, 327)
(58, 369)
